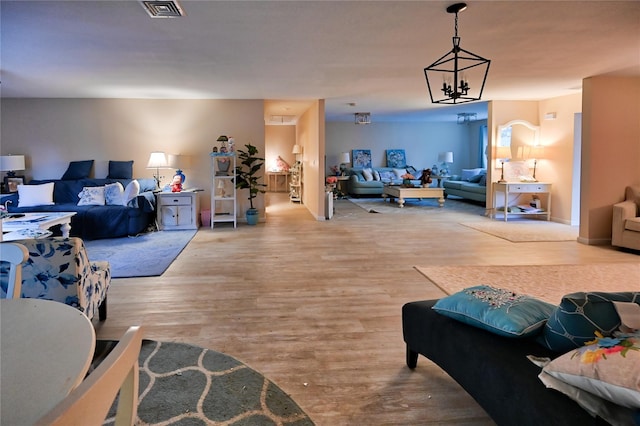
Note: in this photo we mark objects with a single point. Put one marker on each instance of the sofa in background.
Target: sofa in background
(471, 184)
(625, 226)
(371, 183)
(92, 221)
(59, 269)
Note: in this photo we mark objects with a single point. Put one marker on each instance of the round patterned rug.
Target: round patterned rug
(189, 385)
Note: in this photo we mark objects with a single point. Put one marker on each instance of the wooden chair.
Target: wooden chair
(15, 254)
(89, 403)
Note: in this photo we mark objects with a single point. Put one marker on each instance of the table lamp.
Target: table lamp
(503, 153)
(537, 152)
(157, 160)
(344, 160)
(445, 158)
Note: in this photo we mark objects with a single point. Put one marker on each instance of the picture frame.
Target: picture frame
(361, 158)
(11, 183)
(396, 158)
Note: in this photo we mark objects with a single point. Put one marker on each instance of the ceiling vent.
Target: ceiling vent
(282, 119)
(163, 9)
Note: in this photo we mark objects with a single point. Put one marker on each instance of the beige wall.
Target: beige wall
(52, 132)
(610, 151)
(279, 141)
(310, 134)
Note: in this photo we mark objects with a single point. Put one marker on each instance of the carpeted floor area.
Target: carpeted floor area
(189, 385)
(525, 230)
(146, 255)
(418, 206)
(546, 282)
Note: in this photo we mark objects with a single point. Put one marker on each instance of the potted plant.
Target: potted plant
(247, 175)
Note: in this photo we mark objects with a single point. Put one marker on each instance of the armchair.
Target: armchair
(625, 226)
(59, 269)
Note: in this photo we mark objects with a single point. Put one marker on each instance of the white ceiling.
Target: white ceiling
(371, 53)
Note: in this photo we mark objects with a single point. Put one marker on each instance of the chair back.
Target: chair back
(15, 254)
(89, 403)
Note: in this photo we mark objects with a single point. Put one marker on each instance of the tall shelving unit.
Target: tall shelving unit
(223, 188)
(295, 186)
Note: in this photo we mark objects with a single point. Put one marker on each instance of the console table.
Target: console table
(519, 188)
(278, 181)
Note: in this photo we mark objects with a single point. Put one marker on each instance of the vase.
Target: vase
(252, 216)
(223, 166)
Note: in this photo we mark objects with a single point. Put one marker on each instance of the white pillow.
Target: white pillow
(130, 192)
(376, 175)
(368, 175)
(113, 193)
(399, 173)
(35, 195)
(91, 196)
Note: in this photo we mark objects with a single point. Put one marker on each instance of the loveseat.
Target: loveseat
(625, 226)
(93, 220)
(372, 183)
(471, 184)
(497, 372)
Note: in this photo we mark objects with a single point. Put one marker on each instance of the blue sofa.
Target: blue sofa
(359, 185)
(96, 221)
(471, 184)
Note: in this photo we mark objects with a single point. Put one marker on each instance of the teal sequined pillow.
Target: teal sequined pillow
(580, 315)
(496, 310)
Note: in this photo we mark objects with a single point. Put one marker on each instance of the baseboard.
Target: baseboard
(595, 241)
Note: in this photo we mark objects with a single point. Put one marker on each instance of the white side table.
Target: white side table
(177, 210)
(518, 188)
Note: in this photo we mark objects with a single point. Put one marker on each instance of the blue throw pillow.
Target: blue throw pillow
(579, 315)
(78, 170)
(496, 310)
(120, 170)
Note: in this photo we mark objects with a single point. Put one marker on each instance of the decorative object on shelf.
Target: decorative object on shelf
(362, 117)
(179, 162)
(344, 161)
(247, 176)
(396, 158)
(460, 71)
(221, 190)
(537, 151)
(425, 178)
(10, 164)
(158, 160)
(445, 158)
(361, 158)
(503, 153)
(176, 183)
(223, 162)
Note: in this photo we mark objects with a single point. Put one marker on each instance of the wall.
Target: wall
(610, 151)
(421, 141)
(52, 132)
(279, 142)
(310, 134)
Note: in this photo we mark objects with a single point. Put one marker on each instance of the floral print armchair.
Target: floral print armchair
(59, 269)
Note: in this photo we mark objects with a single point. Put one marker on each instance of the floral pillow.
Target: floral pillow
(91, 196)
(608, 367)
(113, 194)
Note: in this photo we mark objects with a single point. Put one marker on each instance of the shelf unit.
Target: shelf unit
(223, 188)
(295, 186)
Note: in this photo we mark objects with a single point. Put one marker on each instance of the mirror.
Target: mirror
(520, 135)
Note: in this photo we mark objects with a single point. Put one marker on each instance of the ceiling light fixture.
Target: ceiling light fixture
(362, 117)
(466, 117)
(459, 70)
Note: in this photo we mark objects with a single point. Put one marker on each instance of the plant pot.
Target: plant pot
(252, 216)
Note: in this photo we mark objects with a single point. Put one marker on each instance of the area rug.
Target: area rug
(189, 385)
(546, 282)
(525, 230)
(147, 255)
(420, 206)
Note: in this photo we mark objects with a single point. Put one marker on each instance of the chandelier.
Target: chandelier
(458, 73)
(362, 117)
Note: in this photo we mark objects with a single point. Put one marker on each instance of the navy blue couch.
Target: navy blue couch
(95, 222)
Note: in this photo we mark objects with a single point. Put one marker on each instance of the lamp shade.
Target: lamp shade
(297, 149)
(157, 160)
(445, 157)
(503, 152)
(9, 163)
(344, 158)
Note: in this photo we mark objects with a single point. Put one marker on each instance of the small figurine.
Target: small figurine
(176, 184)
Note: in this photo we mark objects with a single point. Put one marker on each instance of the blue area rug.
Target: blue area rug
(147, 255)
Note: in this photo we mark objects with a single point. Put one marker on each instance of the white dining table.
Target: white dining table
(46, 348)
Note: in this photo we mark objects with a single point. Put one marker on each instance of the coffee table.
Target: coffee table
(35, 225)
(401, 193)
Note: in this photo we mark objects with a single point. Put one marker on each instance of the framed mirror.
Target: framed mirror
(518, 134)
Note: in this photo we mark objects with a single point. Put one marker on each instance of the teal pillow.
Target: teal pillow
(579, 315)
(497, 310)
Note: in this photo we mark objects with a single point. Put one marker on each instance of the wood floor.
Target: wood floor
(315, 306)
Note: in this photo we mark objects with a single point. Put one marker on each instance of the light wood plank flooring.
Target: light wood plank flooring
(315, 306)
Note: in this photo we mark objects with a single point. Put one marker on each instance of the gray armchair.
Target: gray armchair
(625, 226)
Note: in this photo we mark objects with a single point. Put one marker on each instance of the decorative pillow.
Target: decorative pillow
(579, 315)
(35, 195)
(387, 175)
(476, 179)
(130, 192)
(483, 180)
(607, 367)
(399, 173)
(468, 174)
(147, 184)
(91, 196)
(496, 310)
(376, 175)
(368, 175)
(113, 194)
(120, 170)
(78, 170)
